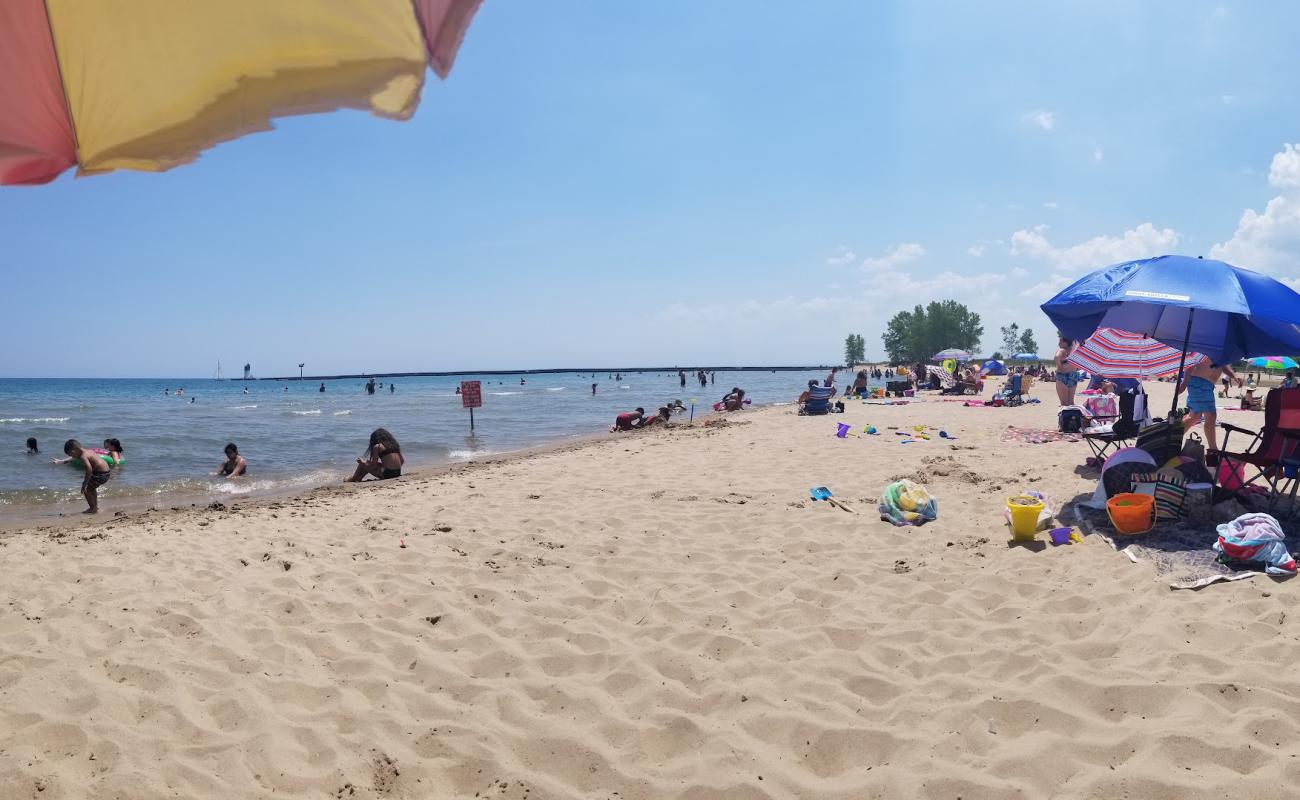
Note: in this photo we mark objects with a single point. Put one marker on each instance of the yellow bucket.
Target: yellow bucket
(1024, 511)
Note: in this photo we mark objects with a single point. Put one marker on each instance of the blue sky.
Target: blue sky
(681, 183)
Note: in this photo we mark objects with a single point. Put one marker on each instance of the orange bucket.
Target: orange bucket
(1132, 513)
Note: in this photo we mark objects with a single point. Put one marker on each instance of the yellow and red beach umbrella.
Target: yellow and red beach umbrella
(149, 84)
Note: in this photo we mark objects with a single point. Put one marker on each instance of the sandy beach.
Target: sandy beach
(662, 614)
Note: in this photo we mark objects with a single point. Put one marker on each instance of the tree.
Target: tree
(855, 349)
(997, 355)
(918, 334)
(1027, 343)
(1011, 339)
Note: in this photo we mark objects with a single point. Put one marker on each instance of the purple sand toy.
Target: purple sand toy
(1061, 535)
(843, 430)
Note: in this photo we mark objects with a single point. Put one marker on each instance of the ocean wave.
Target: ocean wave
(503, 394)
(33, 420)
(555, 388)
(465, 455)
(343, 413)
(240, 408)
(315, 412)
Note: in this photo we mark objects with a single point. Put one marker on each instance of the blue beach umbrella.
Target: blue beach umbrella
(994, 367)
(1195, 304)
(1026, 357)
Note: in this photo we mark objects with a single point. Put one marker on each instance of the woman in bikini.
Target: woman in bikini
(383, 458)
(1067, 378)
(234, 466)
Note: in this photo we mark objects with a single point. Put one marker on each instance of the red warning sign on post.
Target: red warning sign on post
(471, 394)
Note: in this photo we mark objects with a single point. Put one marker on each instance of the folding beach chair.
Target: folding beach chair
(1271, 451)
(1123, 428)
(819, 401)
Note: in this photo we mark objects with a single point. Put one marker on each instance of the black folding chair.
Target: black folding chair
(1123, 429)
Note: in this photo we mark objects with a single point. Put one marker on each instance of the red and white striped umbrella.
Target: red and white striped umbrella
(1113, 353)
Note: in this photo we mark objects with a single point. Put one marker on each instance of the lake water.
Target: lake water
(296, 437)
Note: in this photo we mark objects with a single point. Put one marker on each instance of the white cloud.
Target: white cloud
(842, 256)
(1066, 262)
(1284, 172)
(1269, 241)
(1228, 99)
(1140, 242)
(975, 250)
(894, 257)
(1051, 205)
(1097, 155)
(1042, 119)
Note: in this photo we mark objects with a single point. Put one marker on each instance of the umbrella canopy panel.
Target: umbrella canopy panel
(150, 84)
(1233, 312)
(1119, 354)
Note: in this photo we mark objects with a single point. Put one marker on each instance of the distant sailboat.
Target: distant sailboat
(219, 376)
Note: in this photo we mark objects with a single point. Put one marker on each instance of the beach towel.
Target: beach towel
(907, 503)
(1255, 538)
(1167, 487)
(1037, 436)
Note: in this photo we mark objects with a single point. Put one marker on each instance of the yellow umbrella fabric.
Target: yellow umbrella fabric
(149, 84)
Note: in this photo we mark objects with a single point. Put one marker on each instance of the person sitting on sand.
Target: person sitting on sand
(383, 458)
(114, 448)
(97, 472)
(627, 420)
(1199, 381)
(1290, 382)
(234, 466)
(734, 400)
(32, 448)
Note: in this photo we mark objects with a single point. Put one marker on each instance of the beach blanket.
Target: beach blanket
(1037, 435)
(907, 503)
(1181, 553)
(1256, 538)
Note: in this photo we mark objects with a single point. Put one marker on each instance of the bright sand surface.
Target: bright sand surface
(662, 614)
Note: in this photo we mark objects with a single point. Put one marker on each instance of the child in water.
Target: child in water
(114, 449)
(32, 449)
(234, 465)
(383, 458)
(97, 472)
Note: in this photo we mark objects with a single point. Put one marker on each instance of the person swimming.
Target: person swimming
(32, 448)
(383, 458)
(234, 466)
(114, 448)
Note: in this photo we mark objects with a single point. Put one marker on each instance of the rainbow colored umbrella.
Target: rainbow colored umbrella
(1273, 362)
(1113, 353)
(149, 84)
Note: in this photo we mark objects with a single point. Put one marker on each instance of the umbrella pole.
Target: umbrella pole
(1182, 361)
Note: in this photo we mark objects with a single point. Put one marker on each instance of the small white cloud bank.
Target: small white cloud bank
(1045, 120)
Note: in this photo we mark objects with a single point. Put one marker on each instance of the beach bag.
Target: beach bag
(1255, 538)
(1194, 448)
(1069, 420)
(1167, 487)
(1163, 440)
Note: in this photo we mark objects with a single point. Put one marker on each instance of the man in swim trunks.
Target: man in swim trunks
(1199, 381)
(97, 472)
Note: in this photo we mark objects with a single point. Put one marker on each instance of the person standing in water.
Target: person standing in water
(96, 469)
(681, 375)
(322, 386)
(392, 387)
(593, 390)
